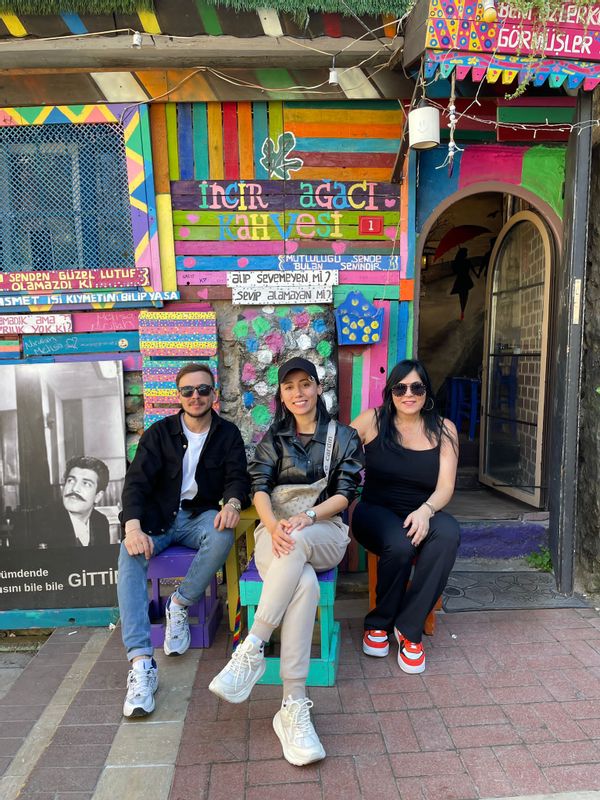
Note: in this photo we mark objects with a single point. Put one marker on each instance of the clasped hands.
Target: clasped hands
(281, 533)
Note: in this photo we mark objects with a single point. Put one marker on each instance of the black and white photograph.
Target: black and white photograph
(62, 465)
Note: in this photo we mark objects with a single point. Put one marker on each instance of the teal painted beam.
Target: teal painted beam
(58, 618)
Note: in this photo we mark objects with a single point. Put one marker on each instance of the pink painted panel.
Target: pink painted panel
(391, 278)
(96, 321)
(492, 163)
(202, 278)
(379, 358)
(232, 248)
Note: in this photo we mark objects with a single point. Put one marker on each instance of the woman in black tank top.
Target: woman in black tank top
(411, 455)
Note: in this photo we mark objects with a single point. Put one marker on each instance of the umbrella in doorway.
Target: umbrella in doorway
(457, 236)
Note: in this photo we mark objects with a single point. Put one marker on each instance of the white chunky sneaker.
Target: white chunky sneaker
(141, 685)
(177, 629)
(235, 681)
(298, 738)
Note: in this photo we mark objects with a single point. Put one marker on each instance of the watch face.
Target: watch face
(311, 514)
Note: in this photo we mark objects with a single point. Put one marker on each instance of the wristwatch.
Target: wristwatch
(312, 515)
(235, 504)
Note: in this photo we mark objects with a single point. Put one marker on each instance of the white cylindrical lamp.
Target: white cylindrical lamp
(423, 127)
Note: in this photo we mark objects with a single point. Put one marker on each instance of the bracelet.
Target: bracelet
(235, 504)
(430, 507)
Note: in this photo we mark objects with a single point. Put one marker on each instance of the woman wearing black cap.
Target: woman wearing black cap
(303, 453)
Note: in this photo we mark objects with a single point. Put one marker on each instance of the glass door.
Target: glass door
(515, 356)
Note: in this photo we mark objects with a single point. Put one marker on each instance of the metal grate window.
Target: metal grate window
(64, 201)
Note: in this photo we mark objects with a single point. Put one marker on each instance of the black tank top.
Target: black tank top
(398, 478)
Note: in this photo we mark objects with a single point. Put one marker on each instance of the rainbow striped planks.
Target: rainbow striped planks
(177, 334)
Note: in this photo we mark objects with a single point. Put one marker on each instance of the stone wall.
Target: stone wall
(588, 512)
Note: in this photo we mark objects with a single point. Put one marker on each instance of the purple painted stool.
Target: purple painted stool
(174, 562)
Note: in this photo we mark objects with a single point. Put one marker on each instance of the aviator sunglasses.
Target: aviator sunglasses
(203, 390)
(417, 388)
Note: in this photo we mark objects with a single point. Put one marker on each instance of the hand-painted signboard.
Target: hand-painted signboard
(35, 323)
(99, 299)
(70, 279)
(63, 344)
(178, 334)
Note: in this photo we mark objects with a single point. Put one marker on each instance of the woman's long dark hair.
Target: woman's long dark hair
(284, 415)
(386, 413)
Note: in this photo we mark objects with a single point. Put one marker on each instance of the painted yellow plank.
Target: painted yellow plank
(13, 24)
(166, 244)
(343, 116)
(149, 22)
(276, 119)
(245, 140)
(215, 141)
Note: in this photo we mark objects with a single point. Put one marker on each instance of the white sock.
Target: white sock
(255, 641)
(143, 664)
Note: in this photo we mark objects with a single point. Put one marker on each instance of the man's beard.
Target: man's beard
(198, 414)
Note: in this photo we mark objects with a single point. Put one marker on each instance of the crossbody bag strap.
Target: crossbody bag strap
(331, 428)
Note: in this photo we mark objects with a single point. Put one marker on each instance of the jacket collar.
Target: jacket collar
(175, 428)
(288, 428)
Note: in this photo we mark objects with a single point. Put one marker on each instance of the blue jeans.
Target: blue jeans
(197, 533)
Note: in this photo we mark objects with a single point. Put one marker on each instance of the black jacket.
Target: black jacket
(281, 458)
(152, 487)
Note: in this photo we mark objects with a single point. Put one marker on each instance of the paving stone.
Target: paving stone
(302, 791)
(430, 730)
(138, 742)
(353, 744)
(528, 724)
(433, 763)
(573, 778)
(484, 736)
(280, 771)
(591, 727)
(84, 734)
(74, 755)
(582, 709)
(75, 779)
(354, 696)
(347, 723)
(448, 787)
(559, 723)
(21, 712)
(9, 746)
(473, 715)
(190, 783)
(485, 771)
(552, 754)
(227, 781)
(205, 752)
(375, 777)
(398, 732)
(521, 769)
(523, 694)
(148, 782)
(338, 778)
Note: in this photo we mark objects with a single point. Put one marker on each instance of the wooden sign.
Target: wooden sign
(35, 323)
(84, 299)
(178, 334)
(362, 262)
(96, 321)
(73, 279)
(9, 348)
(282, 288)
(64, 344)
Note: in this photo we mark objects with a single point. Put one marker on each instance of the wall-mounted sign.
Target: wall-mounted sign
(84, 298)
(69, 279)
(35, 323)
(282, 288)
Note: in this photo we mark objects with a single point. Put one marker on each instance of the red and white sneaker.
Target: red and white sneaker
(375, 643)
(411, 656)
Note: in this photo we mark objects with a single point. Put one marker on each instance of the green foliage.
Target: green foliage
(540, 559)
(49, 7)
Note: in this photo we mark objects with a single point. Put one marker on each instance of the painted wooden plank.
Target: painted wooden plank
(348, 130)
(304, 227)
(202, 278)
(200, 142)
(312, 246)
(245, 134)
(59, 618)
(261, 132)
(231, 163)
(43, 302)
(345, 384)
(366, 379)
(379, 359)
(393, 337)
(368, 278)
(283, 278)
(66, 343)
(343, 174)
(343, 116)
(172, 141)
(339, 145)
(195, 293)
(74, 279)
(331, 161)
(357, 376)
(356, 264)
(403, 320)
(208, 278)
(185, 141)
(341, 105)
(35, 323)
(270, 296)
(410, 330)
(209, 17)
(215, 140)
(9, 348)
(301, 216)
(275, 124)
(210, 193)
(96, 321)
(132, 362)
(160, 155)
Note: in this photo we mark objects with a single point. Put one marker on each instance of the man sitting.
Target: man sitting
(184, 465)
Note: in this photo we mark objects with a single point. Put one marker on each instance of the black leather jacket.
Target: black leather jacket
(153, 481)
(281, 458)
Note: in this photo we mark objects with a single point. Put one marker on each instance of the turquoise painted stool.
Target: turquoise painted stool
(322, 671)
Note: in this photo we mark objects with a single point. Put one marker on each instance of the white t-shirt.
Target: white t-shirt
(189, 487)
(81, 529)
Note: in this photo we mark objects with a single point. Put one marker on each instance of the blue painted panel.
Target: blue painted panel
(58, 618)
(67, 343)
(316, 145)
(74, 23)
(434, 184)
(185, 141)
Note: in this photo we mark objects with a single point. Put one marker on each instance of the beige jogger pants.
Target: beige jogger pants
(290, 593)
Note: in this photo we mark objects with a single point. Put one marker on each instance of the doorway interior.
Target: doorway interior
(483, 330)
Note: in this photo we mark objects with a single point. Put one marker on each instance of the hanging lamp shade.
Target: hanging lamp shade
(423, 127)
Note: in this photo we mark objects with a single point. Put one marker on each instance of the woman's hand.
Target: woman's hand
(417, 523)
(281, 541)
(299, 521)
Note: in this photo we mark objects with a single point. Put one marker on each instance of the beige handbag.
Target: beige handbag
(293, 498)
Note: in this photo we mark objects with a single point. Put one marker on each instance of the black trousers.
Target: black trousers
(380, 531)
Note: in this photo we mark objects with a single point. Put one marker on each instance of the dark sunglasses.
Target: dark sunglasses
(416, 388)
(203, 390)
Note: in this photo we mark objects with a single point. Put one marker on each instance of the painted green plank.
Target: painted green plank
(58, 618)
(393, 337)
(275, 79)
(390, 218)
(410, 331)
(357, 379)
(172, 143)
(209, 18)
(381, 292)
(200, 133)
(549, 114)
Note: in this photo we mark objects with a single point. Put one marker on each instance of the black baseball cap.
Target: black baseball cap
(297, 363)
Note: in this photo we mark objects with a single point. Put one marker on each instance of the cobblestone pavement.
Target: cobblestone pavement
(509, 706)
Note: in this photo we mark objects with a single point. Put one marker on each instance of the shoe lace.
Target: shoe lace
(300, 713)
(242, 661)
(138, 682)
(176, 620)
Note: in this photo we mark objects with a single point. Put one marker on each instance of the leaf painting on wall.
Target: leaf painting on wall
(276, 158)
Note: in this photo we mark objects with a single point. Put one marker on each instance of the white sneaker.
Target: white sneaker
(177, 629)
(141, 685)
(297, 735)
(235, 681)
